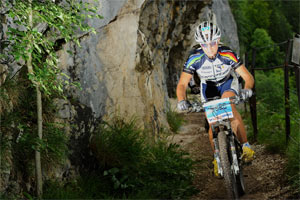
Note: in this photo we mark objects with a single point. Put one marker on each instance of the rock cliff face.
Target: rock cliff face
(131, 66)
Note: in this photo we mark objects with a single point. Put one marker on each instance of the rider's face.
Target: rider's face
(210, 48)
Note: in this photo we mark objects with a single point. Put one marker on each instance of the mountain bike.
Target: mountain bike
(227, 147)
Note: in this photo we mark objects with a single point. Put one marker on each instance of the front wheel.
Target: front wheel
(230, 182)
(239, 177)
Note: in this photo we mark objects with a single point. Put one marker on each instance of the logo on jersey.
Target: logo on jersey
(218, 68)
(206, 67)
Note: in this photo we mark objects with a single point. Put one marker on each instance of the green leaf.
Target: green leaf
(37, 47)
(63, 21)
(105, 173)
(70, 52)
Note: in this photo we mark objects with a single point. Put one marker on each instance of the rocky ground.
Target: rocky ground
(264, 178)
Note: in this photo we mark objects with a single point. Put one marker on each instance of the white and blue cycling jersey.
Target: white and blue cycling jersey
(218, 72)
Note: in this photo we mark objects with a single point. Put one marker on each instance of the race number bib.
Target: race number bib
(218, 110)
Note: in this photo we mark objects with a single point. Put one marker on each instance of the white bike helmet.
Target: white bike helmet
(206, 32)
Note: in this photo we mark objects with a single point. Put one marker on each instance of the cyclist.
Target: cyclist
(216, 66)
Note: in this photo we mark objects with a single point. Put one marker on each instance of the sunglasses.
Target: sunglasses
(212, 44)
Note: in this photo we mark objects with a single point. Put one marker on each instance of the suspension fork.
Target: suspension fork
(235, 163)
(232, 147)
(215, 131)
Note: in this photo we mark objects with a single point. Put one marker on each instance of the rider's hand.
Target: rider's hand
(183, 105)
(246, 93)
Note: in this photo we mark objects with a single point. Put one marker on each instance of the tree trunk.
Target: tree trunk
(38, 167)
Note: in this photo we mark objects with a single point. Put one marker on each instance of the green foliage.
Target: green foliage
(135, 168)
(167, 175)
(61, 190)
(53, 146)
(244, 30)
(270, 107)
(10, 92)
(119, 143)
(259, 14)
(138, 168)
(279, 28)
(270, 88)
(260, 25)
(38, 30)
(175, 120)
(291, 11)
(20, 126)
(275, 17)
(271, 121)
(61, 21)
(266, 57)
(293, 167)
(90, 186)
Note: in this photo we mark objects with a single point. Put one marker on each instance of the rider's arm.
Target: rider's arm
(246, 75)
(182, 85)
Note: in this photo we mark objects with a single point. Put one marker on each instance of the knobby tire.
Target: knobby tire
(240, 177)
(229, 179)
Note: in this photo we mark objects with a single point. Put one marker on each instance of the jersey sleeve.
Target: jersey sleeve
(233, 59)
(189, 70)
(190, 64)
(238, 63)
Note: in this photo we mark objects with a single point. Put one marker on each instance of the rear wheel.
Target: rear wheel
(229, 179)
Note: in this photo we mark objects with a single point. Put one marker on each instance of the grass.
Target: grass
(10, 93)
(271, 133)
(131, 166)
(293, 166)
(19, 136)
(175, 120)
(91, 186)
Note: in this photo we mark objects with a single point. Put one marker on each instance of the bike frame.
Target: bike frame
(219, 113)
(224, 125)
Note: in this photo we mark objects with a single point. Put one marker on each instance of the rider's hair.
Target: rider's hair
(207, 31)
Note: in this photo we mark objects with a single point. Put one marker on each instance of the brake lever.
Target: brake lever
(195, 108)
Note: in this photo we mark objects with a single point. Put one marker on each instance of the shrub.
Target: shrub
(175, 120)
(119, 143)
(271, 121)
(135, 167)
(293, 167)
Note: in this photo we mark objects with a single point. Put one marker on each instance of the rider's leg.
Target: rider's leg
(237, 125)
(210, 91)
(210, 135)
(237, 122)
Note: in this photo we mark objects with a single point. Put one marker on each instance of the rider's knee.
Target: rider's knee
(234, 125)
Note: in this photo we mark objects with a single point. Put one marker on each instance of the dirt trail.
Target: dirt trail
(264, 178)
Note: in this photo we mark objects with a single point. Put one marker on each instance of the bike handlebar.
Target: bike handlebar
(198, 107)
